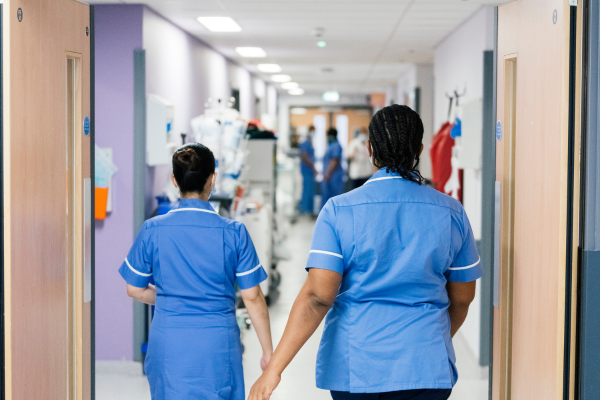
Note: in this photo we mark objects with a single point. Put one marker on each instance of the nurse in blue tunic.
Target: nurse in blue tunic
(333, 173)
(188, 262)
(393, 266)
(308, 170)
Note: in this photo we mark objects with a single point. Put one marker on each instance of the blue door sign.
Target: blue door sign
(86, 126)
(499, 131)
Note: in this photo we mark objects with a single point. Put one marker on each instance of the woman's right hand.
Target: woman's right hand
(264, 386)
(264, 360)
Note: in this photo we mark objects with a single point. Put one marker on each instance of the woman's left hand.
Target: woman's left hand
(264, 361)
(264, 386)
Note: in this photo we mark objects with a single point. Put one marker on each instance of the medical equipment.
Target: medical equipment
(222, 130)
(246, 174)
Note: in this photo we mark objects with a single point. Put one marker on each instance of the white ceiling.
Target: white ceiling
(369, 42)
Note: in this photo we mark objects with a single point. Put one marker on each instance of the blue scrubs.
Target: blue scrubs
(397, 244)
(307, 203)
(195, 257)
(335, 185)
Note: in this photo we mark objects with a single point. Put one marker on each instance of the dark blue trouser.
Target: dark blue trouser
(307, 203)
(419, 394)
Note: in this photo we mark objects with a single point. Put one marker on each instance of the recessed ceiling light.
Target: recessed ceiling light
(296, 92)
(274, 68)
(289, 85)
(250, 52)
(331, 96)
(321, 43)
(281, 78)
(219, 24)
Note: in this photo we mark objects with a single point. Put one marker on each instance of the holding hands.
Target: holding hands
(315, 299)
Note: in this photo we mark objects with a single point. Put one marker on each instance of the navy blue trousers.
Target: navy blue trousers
(419, 394)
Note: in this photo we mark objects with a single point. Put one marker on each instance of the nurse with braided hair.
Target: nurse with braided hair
(392, 267)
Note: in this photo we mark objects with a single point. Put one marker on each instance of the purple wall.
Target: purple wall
(118, 31)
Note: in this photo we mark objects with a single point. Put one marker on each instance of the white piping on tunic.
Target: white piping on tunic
(467, 267)
(384, 178)
(193, 209)
(249, 272)
(136, 271)
(328, 253)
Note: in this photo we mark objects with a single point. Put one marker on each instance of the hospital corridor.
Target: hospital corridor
(300, 199)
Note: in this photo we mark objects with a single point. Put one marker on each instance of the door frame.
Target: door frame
(2, 324)
(587, 370)
(93, 200)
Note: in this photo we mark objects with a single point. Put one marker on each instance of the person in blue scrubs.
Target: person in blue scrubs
(333, 173)
(187, 263)
(308, 170)
(393, 266)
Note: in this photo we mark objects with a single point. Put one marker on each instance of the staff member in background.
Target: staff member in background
(333, 174)
(307, 167)
(195, 257)
(393, 266)
(360, 169)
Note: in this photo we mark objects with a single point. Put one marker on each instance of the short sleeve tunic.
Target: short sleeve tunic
(195, 257)
(396, 244)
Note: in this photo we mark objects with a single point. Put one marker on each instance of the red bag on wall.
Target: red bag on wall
(441, 154)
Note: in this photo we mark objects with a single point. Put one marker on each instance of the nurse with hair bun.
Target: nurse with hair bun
(187, 263)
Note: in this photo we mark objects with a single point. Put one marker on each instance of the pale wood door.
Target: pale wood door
(533, 84)
(46, 161)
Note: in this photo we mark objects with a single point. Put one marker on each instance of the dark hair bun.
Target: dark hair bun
(187, 159)
(192, 165)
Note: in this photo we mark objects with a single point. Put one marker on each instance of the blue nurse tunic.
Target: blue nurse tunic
(308, 179)
(335, 185)
(194, 257)
(396, 244)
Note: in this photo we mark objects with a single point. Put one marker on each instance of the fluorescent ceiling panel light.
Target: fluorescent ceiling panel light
(219, 24)
(269, 68)
(289, 85)
(321, 43)
(251, 52)
(296, 92)
(331, 96)
(281, 78)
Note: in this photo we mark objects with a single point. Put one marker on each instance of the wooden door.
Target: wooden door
(533, 110)
(46, 161)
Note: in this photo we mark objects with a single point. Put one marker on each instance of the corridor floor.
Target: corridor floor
(124, 380)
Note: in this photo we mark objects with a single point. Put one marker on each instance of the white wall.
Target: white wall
(240, 79)
(421, 76)
(272, 101)
(185, 72)
(458, 65)
(458, 61)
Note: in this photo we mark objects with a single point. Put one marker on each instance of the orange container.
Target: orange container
(101, 201)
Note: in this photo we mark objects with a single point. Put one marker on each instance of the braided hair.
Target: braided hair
(396, 135)
(193, 164)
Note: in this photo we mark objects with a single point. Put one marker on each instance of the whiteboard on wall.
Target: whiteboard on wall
(472, 131)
